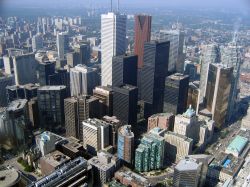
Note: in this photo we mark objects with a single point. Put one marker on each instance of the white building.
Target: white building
(113, 42)
(37, 42)
(83, 80)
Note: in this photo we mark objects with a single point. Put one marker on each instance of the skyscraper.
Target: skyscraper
(62, 43)
(142, 35)
(37, 42)
(5, 81)
(25, 69)
(51, 106)
(83, 80)
(153, 75)
(125, 149)
(218, 92)
(95, 135)
(124, 70)
(83, 49)
(231, 57)
(45, 69)
(125, 103)
(113, 42)
(210, 54)
(176, 93)
(73, 59)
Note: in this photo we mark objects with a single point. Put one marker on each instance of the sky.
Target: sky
(219, 4)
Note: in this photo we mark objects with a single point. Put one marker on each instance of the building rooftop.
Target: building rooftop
(237, 145)
(187, 164)
(95, 122)
(17, 105)
(52, 88)
(190, 112)
(179, 135)
(162, 115)
(126, 131)
(177, 76)
(9, 177)
(55, 158)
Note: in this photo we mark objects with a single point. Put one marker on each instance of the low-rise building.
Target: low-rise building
(162, 120)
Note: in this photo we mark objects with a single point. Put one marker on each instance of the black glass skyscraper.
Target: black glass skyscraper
(154, 71)
(45, 69)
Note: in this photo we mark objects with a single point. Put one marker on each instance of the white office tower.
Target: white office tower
(113, 42)
(83, 80)
(37, 42)
(62, 42)
(210, 54)
(231, 57)
(176, 38)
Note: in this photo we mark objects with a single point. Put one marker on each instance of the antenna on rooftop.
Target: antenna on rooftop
(118, 5)
(111, 5)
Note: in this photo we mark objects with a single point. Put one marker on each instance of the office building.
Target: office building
(113, 42)
(37, 42)
(75, 172)
(104, 167)
(76, 110)
(210, 54)
(177, 146)
(45, 69)
(125, 103)
(125, 147)
(73, 59)
(8, 65)
(142, 35)
(51, 106)
(5, 80)
(105, 96)
(95, 135)
(50, 162)
(46, 142)
(193, 96)
(124, 70)
(162, 120)
(176, 38)
(62, 42)
(27, 91)
(187, 125)
(83, 80)
(218, 92)
(176, 93)
(231, 56)
(154, 73)
(130, 178)
(150, 153)
(33, 113)
(14, 125)
(83, 50)
(25, 69)
(191, 171)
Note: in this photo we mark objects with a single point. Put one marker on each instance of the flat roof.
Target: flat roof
(9, 177)
(17, 104)
(52, 88)
(187, 164)
(238, 144)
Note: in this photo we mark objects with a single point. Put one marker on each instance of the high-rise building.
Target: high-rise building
(124, 70)
(73, 59)
(95, 135)
(191, 171)
(83, 80)
(83, 50)
(76, 110)
(177, 146)
(231, 57)
(218, 92)
(5, 81)
(25, 69)
(125, 147)
(162, 120)
(210, 54)
(104, 167)
(193, 96)
(45, 69)
(113, 42)
(33, 113)
(153, 75)
(125, 103)
(142, 35)
(176, 38)
(150, 153)
(37, 43)
(105, 96)
(176, 93)
(62, 43)
(51, 106)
